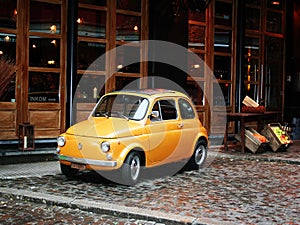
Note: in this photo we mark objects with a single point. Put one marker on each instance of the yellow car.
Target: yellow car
(133, 130)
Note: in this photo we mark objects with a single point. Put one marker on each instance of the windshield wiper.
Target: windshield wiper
(98, 114)
(122, 115)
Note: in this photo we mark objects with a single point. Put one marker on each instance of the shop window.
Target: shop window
(43, 87)
(253, 2)
(195, 90)
(274, 22)
(94, 2)
(222, 66)
(8, 46)
(91, 55)
(197, 16)
(8, 18)
(128, 28)
(132, 5)
(252, 18)
(7, 79)
(275, 4)
(222, 40)
(221, 94)
(252, 47)
(223, 14)
(196, 37)
(44, 52)
(196, 64)
(90, 87)
(127, 83)
(91, 23)
(45, 17)
(128, 59)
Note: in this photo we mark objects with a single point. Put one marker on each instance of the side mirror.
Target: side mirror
(154, 114)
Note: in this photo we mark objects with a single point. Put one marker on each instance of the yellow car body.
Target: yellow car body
(159, 126)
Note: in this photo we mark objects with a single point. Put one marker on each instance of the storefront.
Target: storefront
(247, 58)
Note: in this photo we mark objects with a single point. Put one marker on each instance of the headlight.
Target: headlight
(105, 146)
(61, 141)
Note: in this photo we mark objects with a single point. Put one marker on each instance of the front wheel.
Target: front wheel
(131, 168)
(198, 158)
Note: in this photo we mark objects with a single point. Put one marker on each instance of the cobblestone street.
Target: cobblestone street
(230, 190)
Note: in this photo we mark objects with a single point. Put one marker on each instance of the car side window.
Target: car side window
(186, 110)
(168, 109)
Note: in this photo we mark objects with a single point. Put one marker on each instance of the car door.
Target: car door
(163, 131)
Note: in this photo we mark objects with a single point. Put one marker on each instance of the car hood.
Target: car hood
(106, 128)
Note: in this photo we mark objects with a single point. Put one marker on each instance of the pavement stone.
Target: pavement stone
(233, 188)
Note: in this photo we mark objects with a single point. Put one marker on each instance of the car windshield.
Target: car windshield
(129, 107)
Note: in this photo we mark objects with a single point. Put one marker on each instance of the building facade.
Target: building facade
(242, 42)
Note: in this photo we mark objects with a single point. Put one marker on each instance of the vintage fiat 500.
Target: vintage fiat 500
(131, 131)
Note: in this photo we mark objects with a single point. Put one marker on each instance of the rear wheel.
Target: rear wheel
(68, 171)
(131, 168)
(199, 156)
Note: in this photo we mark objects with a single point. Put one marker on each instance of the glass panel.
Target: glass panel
(251, 46)
(123, 83)
(45, 17)
(196, 91)
(223, 14)
(197, 16)
(7, 79)
(128, 28)
(128, 59)
(94, 2)
(89, 56)
(222, 66)
(196, 65)
(8, 14)
(254, 2)
(90, 87)
(252, 91)
(132, 5)
(218, 99)
(274, 22)
(8, 46)
(91, 23)
(252, 18)
(196, 36)
(44, 52)
(251, 69)
(275, 4)
(43, 87)
(222, 40)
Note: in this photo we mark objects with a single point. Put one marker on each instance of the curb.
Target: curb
(106, 208)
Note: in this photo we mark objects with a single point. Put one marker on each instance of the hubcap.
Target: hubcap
(135, 167)
(200, 155)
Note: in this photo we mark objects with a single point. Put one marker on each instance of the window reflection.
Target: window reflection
(7, 79)
(90, 87)
(128, 59)
(274, 22)
(251, 46)
(91, 23)
(132, 5)
(252, 18)
(127, 83)
(196, 91)
(8, 46)
(91, 55)
(44, 52)
(222, 66)
(45, 17)
(8, 14)
(222, 40)
(43, 87)
(196, 64)
(223, 14)
(128, 28)
(196, 36)
(219, 99)
(197, 16)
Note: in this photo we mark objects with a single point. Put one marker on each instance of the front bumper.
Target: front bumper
(92, 162)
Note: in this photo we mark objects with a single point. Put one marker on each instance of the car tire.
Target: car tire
(68, 171)
(131, 169)
(199, 156)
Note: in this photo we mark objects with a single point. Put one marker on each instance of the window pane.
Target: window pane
(8, 46)
(45, 17)
(219, 100)
(8, 14)
(196, 36)
(223, 14)
(186, 110)
(274, 22)
(222, 66)
(43, 87)
(196, 91)
(44, 52)
(128, 59)
(251, 69)
(251, 46)
(94, 2)
(197, 16)
(128, 28)
(91, 55)
(127, 83)
(132, 5)
(90, 87)
(196, 64)
(275, 4)
(252, 18)
(222, 40)
(7, 79)
(91, 23)
(254, 2)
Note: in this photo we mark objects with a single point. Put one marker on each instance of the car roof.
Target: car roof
(151, 92)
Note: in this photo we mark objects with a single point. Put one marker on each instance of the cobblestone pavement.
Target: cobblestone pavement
(232, 189)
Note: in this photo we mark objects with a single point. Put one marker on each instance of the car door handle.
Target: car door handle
(180, 125)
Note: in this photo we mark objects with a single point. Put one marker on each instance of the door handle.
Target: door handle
(180, 125)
